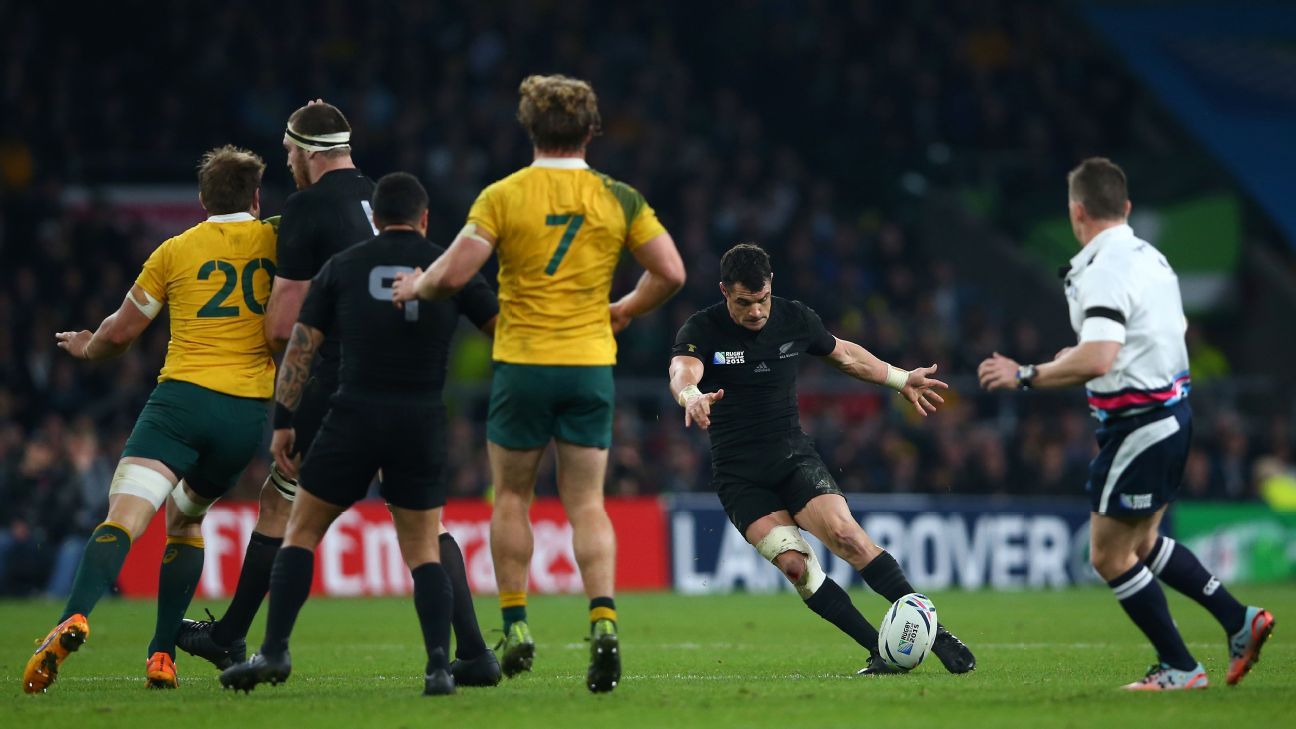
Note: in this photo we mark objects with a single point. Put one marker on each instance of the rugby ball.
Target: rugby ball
(907, 631)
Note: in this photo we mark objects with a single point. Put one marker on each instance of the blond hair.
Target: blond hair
(228, 178)
(558, 112)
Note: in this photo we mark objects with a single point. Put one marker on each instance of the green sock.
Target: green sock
(105, 552)
(514, 614)
(182, 565)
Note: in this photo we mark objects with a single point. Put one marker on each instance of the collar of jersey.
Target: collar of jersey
(561, 163)
(1096, 244)
(230, 218)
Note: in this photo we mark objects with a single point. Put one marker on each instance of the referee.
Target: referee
(1126, 310)
(387, 416)
(734, 370)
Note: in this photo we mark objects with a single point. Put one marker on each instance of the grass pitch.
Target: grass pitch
(1051, 659)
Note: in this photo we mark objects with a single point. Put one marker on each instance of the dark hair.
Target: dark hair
(747, 264)
(558, 112)
(228, 178)
(398, 199)
(321, 118)
(1099, 185)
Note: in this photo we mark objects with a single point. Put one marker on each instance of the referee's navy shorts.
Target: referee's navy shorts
(1140, 461)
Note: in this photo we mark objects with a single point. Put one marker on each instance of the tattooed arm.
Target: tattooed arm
(295, 368)
(293, 373)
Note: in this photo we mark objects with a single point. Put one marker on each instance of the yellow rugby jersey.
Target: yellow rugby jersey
(559, 228)
(215, 279)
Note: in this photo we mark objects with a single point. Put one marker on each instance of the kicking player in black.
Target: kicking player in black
(330, 212)
(387, 417)
(745, 352)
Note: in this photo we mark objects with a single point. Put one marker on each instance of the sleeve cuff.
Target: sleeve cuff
(1101, 329)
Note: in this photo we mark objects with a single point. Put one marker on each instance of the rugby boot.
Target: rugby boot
(877, 666)
(951, 651)
(1245, 645)
(161, 672)
(1161, 677)
(43, 667)
(195, 638)
(258, 669)
(440, 683)
(484, 670)
(605, 657)
(517, 650)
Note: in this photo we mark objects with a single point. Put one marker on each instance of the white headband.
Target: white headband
(318, 142)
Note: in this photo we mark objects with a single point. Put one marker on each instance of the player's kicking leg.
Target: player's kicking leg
(513, 472)
(139, 487)
(581, 472)
(1246, 628)
(290, 583)
(778, 539)
(1114, 545)
(828, 517)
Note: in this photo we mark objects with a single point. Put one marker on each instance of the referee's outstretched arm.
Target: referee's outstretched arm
(1071, 366)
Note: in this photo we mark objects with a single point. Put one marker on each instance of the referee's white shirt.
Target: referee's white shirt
(1121, 289)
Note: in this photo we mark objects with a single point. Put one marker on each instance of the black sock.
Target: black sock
(884, 576)
(105, 551)
(831, 603)
(253, 584)
(602, 608)
(434, 601)
(290, 583)
(1140, 595)
(468, 638)
(182, 566)
(1179, 568)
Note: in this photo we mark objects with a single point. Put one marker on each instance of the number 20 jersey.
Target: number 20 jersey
(559, 229)
(215, 280)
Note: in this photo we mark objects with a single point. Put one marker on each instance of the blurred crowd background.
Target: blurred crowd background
(824, 131)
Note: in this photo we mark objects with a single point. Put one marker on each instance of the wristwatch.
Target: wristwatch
(1025, 375)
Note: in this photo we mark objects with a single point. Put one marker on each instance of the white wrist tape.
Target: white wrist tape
(896, 378)
(689, 393)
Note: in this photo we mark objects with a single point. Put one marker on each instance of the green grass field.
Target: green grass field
(1049, 659)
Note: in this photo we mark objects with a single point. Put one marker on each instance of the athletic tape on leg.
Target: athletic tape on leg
(186, 504)
(788, 539)
(141, 481)
(286, 487)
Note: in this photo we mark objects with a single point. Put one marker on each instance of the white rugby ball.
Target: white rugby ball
(907, 631)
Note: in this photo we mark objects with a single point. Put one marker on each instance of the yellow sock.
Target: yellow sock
(512, 599)
(602, 613)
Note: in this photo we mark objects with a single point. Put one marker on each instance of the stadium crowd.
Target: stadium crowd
(800, 152)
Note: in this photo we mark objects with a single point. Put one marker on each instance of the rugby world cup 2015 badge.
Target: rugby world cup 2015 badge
(907, 637)
(721, 358)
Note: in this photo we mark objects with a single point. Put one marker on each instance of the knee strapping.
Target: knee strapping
(187, 504)
(141, 481)
(286, 487)
(788, 539)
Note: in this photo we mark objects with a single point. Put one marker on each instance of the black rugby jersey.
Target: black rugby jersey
(324, 219)
(388, 352)
(757, 370)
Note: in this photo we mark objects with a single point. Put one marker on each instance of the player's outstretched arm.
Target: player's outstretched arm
(116, 333)
(915, 385)
(294, 371)
(663, 275)
(450, 272)
(1072, 366)
(685, 374)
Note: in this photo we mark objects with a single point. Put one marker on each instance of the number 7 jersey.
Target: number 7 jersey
(559, 229)
(215, 280)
